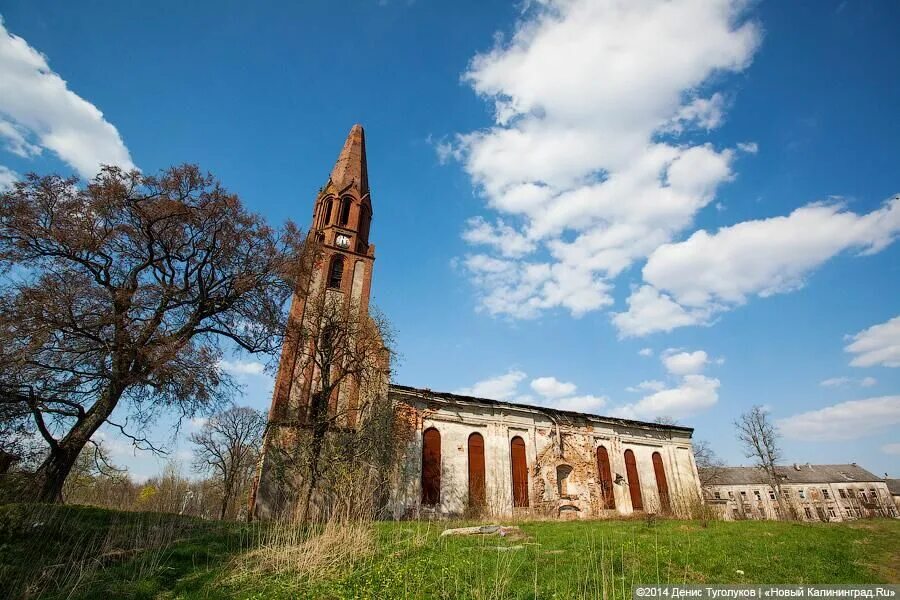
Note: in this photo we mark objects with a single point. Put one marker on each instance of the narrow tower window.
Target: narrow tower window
(345, 211)
(327, 219)
(431, 467)
(336, 271)
(519, 472)
(634, 483)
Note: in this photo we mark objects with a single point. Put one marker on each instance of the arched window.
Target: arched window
(327, 219)
(562, 479)
(365, 218)
(519, 471)
(662, 485)
(431, 467)
(345, 211)
(606, 481)
(476, 470)
(336, 271)
(634, 482)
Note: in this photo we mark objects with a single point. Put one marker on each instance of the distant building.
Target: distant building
(809, 493)
(894, 488)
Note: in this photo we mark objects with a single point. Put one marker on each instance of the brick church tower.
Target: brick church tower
(342, 275)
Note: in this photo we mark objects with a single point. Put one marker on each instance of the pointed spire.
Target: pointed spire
(351, 164)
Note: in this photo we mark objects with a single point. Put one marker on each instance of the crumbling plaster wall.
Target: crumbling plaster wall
(541, 433)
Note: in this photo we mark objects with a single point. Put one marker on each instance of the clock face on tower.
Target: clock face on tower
(342, 241)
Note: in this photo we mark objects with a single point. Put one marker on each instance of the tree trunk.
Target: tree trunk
(46, 485)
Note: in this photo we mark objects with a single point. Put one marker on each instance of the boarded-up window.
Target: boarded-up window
(431, 467)
(634, 482)
(476, 470)
(662, 485)
(519, 472)
(606, 480)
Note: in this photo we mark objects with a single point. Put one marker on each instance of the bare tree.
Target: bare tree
(350, 351)
(228, 444)
(709, 465)
(760, 439)
(122, 292)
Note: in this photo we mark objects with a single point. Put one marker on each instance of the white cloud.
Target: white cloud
(891, 448)
(844, 421)
(693, 394)
(585, 404)
(835, 382)
(7, 178)
(684, 363)
(693, 280)
(38, 110)
(242, 367)
(845, 381)
(646, 352)
(581, 161)
(877, 345)
(748, 147)
(551, 387)
(650, 385)
(500, 387)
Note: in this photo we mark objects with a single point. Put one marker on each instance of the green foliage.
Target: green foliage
(83, 552)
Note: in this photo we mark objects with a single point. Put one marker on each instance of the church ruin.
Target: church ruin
(465, 455)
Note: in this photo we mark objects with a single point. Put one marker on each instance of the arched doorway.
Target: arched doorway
(662, 486)
(519, 472)
(634, 482)
(607, 497)
(431, 467)
(476, 470)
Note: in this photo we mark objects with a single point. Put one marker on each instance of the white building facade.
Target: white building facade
(809, 493)
(479, 456)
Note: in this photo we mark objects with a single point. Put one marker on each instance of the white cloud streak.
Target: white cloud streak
(877, 345)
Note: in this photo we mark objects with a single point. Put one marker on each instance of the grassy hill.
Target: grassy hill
(81, 552)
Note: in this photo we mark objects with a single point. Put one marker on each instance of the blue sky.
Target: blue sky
(644, 210)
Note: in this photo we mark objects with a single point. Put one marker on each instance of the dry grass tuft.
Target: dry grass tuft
(298, 552)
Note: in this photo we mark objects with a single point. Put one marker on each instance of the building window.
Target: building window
(606, 480)
(731, 494)
(771, 494)
(786, 493)
(832, 513)
(718, 495)
(842, 493)
(476, 470)
(336, 271)
(431, 467)
(757, 494)
(662, 486)
(327, 219)
(365, 219)
(634, 482)
(825, 494)
(345, 211)
(808, 512)
(802, 494)
(519, 472)
(743, 494)
(562, 480)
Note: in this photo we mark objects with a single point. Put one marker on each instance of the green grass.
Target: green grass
(78, 552)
